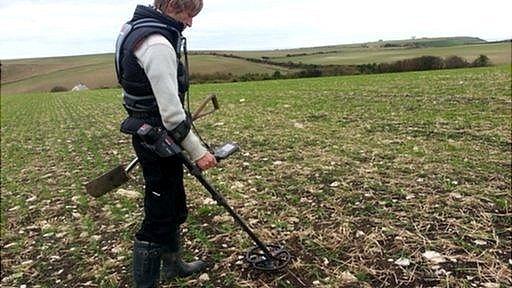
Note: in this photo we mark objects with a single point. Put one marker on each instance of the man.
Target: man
(154, 83)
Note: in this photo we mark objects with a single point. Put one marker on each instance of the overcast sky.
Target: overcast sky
(38, 28)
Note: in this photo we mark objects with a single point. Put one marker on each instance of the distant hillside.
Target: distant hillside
(420, 42)
(97, 71)
(433, 42)
(499, 53)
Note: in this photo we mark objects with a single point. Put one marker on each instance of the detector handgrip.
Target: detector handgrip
(226, 150)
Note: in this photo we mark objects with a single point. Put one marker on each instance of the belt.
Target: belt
(143, 114)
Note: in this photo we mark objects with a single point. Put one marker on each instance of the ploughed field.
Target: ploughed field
(370, 181)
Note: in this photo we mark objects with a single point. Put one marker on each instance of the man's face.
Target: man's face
(184, 17)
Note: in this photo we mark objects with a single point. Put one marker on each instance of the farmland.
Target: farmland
(424, 42)
(382, 180)
(497, 52)
(97, 71)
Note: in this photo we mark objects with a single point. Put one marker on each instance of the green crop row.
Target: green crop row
(349, 173)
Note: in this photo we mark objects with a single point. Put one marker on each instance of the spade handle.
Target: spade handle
(131, 165)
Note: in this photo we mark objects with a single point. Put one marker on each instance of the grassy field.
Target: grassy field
(97, 71)
(498, 53)
(424, 42)
(362, 178)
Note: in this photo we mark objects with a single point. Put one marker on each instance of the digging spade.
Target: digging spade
(110, 180)
(119, 175)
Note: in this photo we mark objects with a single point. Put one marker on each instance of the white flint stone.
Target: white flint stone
(347, 277)
(28, 262)
(434, 257)
(129, 193)
(204, 277)
(335, 184)
(209, 201)
(404, 262)
(294, 219)
(298, 125)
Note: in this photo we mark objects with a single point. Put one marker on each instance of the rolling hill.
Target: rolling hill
(97, 71)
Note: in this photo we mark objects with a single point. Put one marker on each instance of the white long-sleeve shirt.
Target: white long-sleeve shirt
(158, 59)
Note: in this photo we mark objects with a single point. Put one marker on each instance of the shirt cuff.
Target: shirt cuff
(193, 146)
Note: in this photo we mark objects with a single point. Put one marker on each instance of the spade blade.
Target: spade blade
(107, 182)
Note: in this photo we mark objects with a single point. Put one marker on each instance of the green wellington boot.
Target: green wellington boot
(146, 263)
(173, 266)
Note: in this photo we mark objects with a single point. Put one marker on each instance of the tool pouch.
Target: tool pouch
(131, 125)
(153, 138)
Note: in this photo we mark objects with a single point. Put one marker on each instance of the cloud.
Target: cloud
(39, 28)
(284, 24)
(52, 27)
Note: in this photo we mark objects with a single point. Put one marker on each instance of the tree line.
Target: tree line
(313, 70)
(422, 63)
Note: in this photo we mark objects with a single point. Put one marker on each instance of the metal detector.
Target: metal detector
(262, 257)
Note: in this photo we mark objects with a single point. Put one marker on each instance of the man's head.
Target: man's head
(180, 10)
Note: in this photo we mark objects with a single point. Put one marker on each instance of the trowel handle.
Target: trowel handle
(130, 166)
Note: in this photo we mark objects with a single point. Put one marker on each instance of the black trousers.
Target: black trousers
(165, 204)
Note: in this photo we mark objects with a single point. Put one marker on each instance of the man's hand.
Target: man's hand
(206, 162)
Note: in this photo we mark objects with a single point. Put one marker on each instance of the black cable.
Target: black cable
(187, 96)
